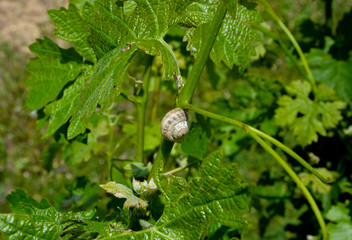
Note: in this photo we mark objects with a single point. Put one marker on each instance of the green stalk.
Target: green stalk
(250, 129)
(163, 154)
(141, 109)
(294, 155)
(133, 100)
(296, 179)
(177, 169)
(294, 42)
(111, 149)
(156, 95)
(140, 133)
(192, 80)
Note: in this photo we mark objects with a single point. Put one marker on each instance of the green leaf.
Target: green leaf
(22, 203)
(317, 185)
(18, 226)
(100, 88)
(340, 226)
(196, 142)
(276, 190)
(339, 212)
(218, 194)
(30, 220)
(151, 136)
(160, 47)
(342, 230)
(71, 27)
(277, 226)
(316, 115)
(104, 33)
(89, 229)
(79, 3)
(20, 197)
(53, 68)
(233, 44)
(345, 185)
(334, 73)
(61, 110)
(108, 24)
(231, 142)
(121, 191)
(33, 220)
(138, 169)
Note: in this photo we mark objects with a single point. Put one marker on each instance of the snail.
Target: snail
(174, 126)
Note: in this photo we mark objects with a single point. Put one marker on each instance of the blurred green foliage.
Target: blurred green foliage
(68, 172)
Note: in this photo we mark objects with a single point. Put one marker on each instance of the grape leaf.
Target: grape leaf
(33, 220)
(233, 44)
(106, 33)
(61, 110)
(19, 197)
(72, 28)
(231, 6)
(106, 25)
(335, 74)
(196, 142)
(317, 185)
(18, 226)
(155, 46)
(218, 194)
(103, 85)
(339, 212)
(317, 115)
(341, 230)
(121, 191)
(53, 68)
(340, 226)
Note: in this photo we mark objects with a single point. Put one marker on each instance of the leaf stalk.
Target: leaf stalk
(141, 112)
(194, 76)
(277, 143)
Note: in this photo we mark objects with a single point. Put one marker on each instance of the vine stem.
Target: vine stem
(111, 146)
(296, 179)
(271, 12)
(141, 106)
(192, 80)
(201, 59)
(140, 133)
(177, 169)
(261, 134)
(156, 95)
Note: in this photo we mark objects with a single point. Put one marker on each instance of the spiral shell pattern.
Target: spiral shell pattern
(174, 126)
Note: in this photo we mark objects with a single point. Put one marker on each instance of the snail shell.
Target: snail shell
(174, 126)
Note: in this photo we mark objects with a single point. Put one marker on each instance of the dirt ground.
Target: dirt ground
(22, 21)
